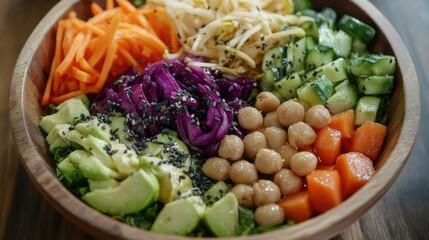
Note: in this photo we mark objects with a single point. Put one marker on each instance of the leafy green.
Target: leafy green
(143, 219)
(139, 3)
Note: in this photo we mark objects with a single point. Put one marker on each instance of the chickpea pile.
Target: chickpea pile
(269, 163)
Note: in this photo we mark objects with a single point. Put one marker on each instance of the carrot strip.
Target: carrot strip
(104, 42)
(96, 9)
(55, 62)
(109, 4)
(90, 53)
(107, 65)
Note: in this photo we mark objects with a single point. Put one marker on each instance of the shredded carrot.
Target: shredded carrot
(89, 54)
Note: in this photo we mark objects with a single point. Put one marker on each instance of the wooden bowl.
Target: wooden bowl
(29, 81)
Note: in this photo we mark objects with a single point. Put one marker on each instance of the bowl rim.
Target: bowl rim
(77, 212)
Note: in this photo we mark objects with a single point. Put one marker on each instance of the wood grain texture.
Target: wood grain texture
(400, 214)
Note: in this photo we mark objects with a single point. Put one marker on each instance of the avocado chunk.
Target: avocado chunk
(216, 192)
(103, 184)
(125, 160)
(58, 132)
(118, 128)
(179, 217)
(132, 195)
(69, 173)
(91, 167)
(95, 128)
(97, 147)
(222, 217)
(71, 109)
(174, 182)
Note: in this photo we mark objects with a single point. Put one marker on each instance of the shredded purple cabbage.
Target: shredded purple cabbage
(198, 102)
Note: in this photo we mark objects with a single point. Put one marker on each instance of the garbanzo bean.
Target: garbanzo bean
(300, 135)
(303, 163)
(305, 104)
(253, 142)
(243, 172)
(270, 120)
(231, 147)
(250, 118)
(266, 102)
(286, 151)
(265, 192)
(268, 161)
(317, 116)
(288, 182)
(290, 112)
(244, 195)
(217, 168)
(269, 215)
(276, 137)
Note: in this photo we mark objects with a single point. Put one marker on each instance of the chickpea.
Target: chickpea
(253, 142)
(270, 120)
(243, 172)
(244, 195)
(231, 147)
(286, 151)
(317, 116)
(217, 168)
(268, 161)
(275, 136)
(303, 163)
(290, 112)
(301, 135)
(266, 102)
(288, 182)
(250, 118)
(269, 215)
(265, 192)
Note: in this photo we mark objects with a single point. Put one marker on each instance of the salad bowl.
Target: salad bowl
(29, 80)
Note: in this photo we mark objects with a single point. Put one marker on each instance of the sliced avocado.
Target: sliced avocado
(118, 128)
(69, 110)
(174, 149)
(59, 131)
(179, 217)
(216, 192)
(95, 128)
(59, 142)
(97, 147)
(69, 172)
(132, 195)
(125, 160)
(104, 184)
(222, 217)
(173, 181)
(152, 149)
(91, 167)
(82, 98)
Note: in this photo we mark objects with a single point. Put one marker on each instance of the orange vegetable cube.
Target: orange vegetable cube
(297, 206)
(324, 190)
(368, 139)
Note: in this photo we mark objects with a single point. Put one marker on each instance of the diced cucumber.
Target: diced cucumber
(336, 71)
(273, 58)
(358, 45)
(318, 56)
(340, 41)
(295, 56)
(316, 92)
(345, 97)
(372, 64)
(356, 28)
(310, 43)
(373, 85)
(271, 75)
(299, 5)
(307, 93)
(366, 109)
(311, 29)
(287, 86)
(323, 87)
(328, 16)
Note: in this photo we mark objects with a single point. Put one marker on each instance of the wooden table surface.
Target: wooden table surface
(401, 214)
